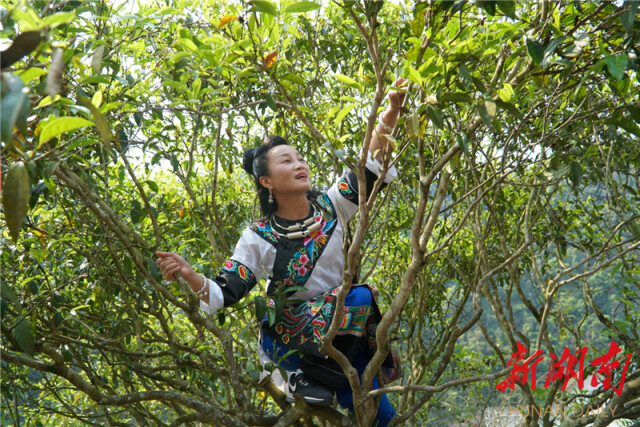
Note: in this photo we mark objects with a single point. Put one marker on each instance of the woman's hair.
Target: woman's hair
(255, 162)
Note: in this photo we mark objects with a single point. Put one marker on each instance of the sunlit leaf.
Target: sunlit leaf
(264, 6)
(414, 76)
(57, 127)
(301, 7)
(59, 19)
(343, 113)
(101, 122)
(96, 59)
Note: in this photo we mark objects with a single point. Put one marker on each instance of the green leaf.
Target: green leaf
(96, 59)
(278, 309)
(14, 107)
(488, 5)
(59, 19)
(487, 110)
(343, 113)
(175, 164)
(465, 76)
(463, 142)
(616, 64)
(260, 306)
(412, 126)
(506, 93)
(271, 314)
(635, 229)
(264, 6)
(553, 44)
(576, 173)
(102, 124)
(31, 74)
(188, 44)
(22, 45)
(152, 185)
(154, 269)
(301, 7)
(48, 173)
(508, 7)
(414, 76)
(293, 78)
(348, 81)
(8, 293)
(57, 319)
(24, 335)
(136, 212)
(57, 127)
(535, 50)
(510, 107)
(436, 116)
(456, 97)
(635, 112)
(629, 16)
(270, 102)
(629, 126)
(16, 192)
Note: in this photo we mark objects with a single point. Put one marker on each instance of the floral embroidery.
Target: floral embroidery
(264, 230)
(345, 189)
(299, 267)
(304, 324)
(300, 261)
(240, 270)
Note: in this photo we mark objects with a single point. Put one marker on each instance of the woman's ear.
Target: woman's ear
(265, 182)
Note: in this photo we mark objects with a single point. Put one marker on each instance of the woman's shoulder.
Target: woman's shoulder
(262, 227)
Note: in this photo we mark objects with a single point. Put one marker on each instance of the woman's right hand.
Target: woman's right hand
(171, 263)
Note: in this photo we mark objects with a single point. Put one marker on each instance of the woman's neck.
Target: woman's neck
(293, 207)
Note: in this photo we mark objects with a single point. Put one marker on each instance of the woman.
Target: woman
(298, 244)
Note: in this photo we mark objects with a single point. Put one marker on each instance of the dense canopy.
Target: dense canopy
(506, 253)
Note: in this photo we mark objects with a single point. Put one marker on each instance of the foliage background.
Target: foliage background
(514, 217)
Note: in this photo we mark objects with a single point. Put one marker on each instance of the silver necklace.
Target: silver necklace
(300, 229)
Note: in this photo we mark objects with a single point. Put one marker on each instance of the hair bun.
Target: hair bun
(247, 160)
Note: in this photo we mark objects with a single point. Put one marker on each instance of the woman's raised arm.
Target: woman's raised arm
(387, 120)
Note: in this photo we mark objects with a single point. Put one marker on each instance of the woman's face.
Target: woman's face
(288, 172)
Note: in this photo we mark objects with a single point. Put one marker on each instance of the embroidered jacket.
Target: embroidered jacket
(315, 262)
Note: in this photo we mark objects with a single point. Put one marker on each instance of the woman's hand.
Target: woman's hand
(171, 263)
(396, 97)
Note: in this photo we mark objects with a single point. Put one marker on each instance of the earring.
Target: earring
(270, 197)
